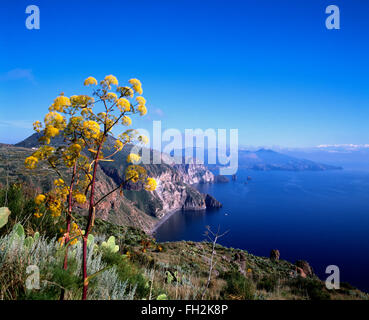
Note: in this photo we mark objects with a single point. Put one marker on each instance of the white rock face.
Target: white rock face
(174, 191)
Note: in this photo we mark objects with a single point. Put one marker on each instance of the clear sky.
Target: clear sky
(269, 68)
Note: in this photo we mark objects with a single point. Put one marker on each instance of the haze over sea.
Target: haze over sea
(321, 217)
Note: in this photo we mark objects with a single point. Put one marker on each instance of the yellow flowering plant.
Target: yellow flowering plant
(85, 123)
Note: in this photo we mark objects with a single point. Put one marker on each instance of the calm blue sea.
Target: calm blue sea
(321, 217)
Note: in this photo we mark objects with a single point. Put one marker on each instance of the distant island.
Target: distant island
(268, 160)
(265, 160)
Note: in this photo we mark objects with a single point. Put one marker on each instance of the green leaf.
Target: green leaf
(36, 236)
(111, 240)
(28, 242)
(19, 231)
(90, 239)
(162, 296)
(4, 214)
(110, 245)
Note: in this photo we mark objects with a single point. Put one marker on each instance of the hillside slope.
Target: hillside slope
(136, 206)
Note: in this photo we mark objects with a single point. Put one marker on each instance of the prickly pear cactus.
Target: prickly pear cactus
(19, 230)
(4, 214)
(90, 239)
(28, 242)
(91, 242)
(110, 245)
(36, 236)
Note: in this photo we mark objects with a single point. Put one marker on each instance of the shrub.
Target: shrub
(268, 283)
(313, 288)
(238, 286)
(22, 206)
(126, 272)
(16, 254)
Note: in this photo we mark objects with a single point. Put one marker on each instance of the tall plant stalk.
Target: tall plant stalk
(81, 127)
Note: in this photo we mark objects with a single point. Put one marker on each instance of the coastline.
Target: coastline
(162, 220)
(168, 215)
(173, 211)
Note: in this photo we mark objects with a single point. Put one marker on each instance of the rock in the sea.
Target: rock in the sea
(221, 179)
(304, 269)
(274, 254)
(211, 202)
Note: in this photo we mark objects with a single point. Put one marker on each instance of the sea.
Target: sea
(318, 216)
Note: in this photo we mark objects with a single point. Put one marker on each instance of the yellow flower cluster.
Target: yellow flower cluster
(70, 154)
(80, 198)
(141, 105)
(75, 148)
(134, 158)
(74, 118)
(60, 103)
(125, 91)
(86, 111)
(126, 121)
(74, 233)
(75, 123)
(110, 79)
(51, 131)
(54, 122)
(150, 184)
(135, 173)
(59, 182)
(81, 100)
(43, 152)
(90, 81)
(123, 105)
(31, 162)
(37, 126)
(40, 199)
(54, 118)
(111, 96)
(142, 110)
(118, 145)
(55, 207)
(74, 241)
(132, 175)
(143, 139)
(38, 214)
(141, 100)
(136, 85)
(125, 137)
(91, 129)
(62, 192)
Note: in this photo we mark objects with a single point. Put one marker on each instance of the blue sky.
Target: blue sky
(269, 68)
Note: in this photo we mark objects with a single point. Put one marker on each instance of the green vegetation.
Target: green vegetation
(238, 287)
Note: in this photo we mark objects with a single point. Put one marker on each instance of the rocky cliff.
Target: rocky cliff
(174, 191)
(134, 206)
